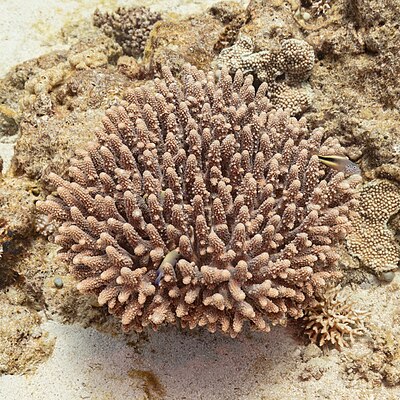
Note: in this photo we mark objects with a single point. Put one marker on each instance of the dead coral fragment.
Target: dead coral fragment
(372, 240)
(334, 320)
(380, 362)
(17, 214)
(23, 343)
(198, 203)
(129, 26)
(284, 70)
(320, 7)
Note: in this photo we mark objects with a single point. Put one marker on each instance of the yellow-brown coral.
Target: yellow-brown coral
(284, 70)
(334, 320)
(372, 240)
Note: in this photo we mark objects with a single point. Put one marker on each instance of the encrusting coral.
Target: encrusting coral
(372, 240)
(129, 26)
(284, 70)
(334, 320)
(201, 204)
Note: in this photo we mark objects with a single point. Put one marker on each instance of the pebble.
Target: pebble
(387, 276)
(58, 282)
(311, 351)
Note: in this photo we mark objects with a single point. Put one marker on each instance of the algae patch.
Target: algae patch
(151, 384)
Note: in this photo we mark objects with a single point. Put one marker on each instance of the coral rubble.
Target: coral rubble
(355, 78)
(23, 342)
(379, 363)
(233, 16)
(65, 93)
(175, 42)
(201, 204)
(17, 214)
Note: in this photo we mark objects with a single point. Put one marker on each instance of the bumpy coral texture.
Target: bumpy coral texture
(129, 26)
(372, 240)
(284, 70)
(202, 205)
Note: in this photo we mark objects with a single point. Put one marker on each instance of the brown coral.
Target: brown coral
(129, 26)
(372, 240)
(334, 320)
(200, 204)
(284, 70)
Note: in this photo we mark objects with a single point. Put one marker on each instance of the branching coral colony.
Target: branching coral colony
(334, 320)
(201, 204)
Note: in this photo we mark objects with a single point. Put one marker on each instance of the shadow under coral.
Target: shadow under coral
(167, 364)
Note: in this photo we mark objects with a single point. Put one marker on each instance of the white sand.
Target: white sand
(30, 28)
(92, 365)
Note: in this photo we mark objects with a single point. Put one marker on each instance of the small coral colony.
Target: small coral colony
(204, 201)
